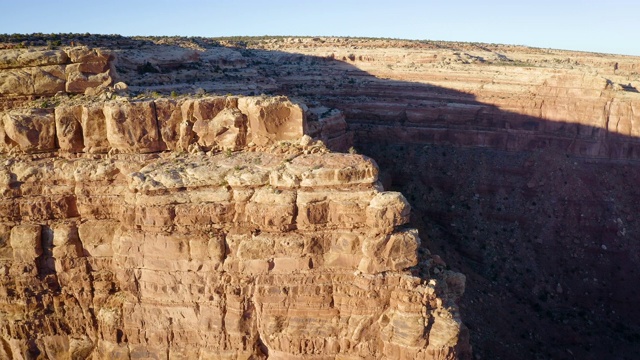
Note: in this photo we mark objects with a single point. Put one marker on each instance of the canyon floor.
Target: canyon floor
(520, 164)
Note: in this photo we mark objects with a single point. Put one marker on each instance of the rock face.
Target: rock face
(518, 163)
(207, 228)
(505, 98)
(220, 123)
(31, 130)
(27, 73)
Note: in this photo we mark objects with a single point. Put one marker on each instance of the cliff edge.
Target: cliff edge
(200, 227)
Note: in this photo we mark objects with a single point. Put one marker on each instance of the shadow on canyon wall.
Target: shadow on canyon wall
(539, 215)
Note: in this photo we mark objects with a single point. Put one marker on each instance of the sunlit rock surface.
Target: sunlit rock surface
(206, 228)
(519, 164)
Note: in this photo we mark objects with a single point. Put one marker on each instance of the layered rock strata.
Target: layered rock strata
(126, 126)
(473, 95)
(137, 229)
(537, 209)
(26, 74)
(549, 135)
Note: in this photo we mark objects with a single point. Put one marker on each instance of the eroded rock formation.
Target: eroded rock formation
(519, 163)
(200, 256)
(207, 228)
(29, 73)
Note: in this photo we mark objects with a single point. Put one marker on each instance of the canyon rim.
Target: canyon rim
(316, 198)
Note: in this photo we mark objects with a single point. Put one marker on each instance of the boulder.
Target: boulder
(131, 126)
(32, 130)
(94, 129)
(18, 58)
(26, 242)
(272, 119)
(227, 130)
(69, 128)
(78, 81)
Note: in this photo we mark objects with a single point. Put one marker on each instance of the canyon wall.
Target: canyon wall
(490, 96)
(519, 164)
(206, 227)
(27, 74)
(508, 98)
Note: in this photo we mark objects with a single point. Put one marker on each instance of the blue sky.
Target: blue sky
(610, 26)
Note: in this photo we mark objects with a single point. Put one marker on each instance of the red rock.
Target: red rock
(69, 128)
(31, 131)
(276, 247)
(26, 242)
(272, 119)
(132, 126)
(227, 130)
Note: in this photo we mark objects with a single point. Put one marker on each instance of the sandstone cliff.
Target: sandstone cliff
(502, 97)
(29, 73)
(519, 163)
(204, 228)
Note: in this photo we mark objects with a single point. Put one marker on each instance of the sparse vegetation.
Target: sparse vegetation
(513, 63)
(147, 68)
